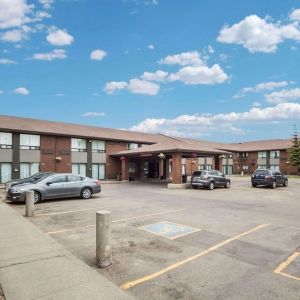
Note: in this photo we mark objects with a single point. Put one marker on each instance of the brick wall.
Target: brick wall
(284, 167)
(113, 164)
(52, 147)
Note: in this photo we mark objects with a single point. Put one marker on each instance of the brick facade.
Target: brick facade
(113, 164)
(53, 147)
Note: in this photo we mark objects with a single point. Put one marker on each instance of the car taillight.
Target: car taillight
(97, 182)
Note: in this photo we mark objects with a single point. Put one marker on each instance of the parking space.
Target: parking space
(188, 244)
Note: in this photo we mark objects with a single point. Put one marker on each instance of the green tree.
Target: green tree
(294, 151)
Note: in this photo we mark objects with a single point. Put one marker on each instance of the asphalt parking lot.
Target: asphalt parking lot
(237, 243)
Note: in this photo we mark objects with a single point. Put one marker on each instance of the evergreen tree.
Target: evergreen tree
(294, 151)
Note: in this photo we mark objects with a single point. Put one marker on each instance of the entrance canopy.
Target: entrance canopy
(165, 160)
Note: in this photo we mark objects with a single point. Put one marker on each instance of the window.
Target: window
(98, 146)
(275, 154)
(183, 169)
(79, 169)
(74, 178)
(208, 167)
(29, 142)
(227, 169)
(245, 168)
(262, 154)
(5, 172)
(5, 140)
(261, 167)
(59, 179)
(201, 167)
(274, 167)
(29, 169)
(243, 154)
(132, 167)
(98, 171)
(78, 145)
(131, 146)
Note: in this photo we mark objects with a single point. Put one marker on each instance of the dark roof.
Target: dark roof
(162, 142)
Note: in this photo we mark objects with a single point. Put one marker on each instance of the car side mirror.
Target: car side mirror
(49, 183)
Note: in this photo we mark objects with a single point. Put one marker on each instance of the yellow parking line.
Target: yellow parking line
(130, 284)
(115, 221)
(285, 263)
(71, 211)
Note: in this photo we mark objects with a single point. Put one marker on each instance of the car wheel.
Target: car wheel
(211, 185)
(86, 193)
(273, 184)
(227, 185)
(253, 185)
(37, 197)
(285, 183)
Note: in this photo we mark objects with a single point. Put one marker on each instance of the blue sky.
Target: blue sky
(214, 70)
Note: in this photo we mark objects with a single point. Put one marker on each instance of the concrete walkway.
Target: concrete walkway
(34, 266)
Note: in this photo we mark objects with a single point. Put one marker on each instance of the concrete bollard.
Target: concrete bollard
(29, 203)
(103, 238)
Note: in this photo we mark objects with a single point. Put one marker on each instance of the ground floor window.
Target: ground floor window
(79, 169)
(132, 168)
(29, 169)
(205, 167)
(183, 169)
(261, 167)
(274, 167)
(5, 172)
(227, 169)
(98, 171)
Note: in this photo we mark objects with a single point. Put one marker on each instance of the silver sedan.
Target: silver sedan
(56, 186)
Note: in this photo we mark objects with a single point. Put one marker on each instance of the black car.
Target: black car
(270, 178)
(209, 179)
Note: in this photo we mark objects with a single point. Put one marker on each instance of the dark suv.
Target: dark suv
(271, 178)
(209, 179)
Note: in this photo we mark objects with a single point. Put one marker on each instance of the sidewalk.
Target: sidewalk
(34, 266)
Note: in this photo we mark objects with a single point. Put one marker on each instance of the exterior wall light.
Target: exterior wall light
(161, 156)
(58, 158)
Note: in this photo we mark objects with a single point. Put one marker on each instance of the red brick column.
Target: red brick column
(176, 168)
(125, 168)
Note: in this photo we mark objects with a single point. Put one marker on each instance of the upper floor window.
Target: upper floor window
(262, 154)
(131, 146)
(243, 154)
(274, 154)
(29, 142)
(5, 140)
(98, 146)
(78, 145)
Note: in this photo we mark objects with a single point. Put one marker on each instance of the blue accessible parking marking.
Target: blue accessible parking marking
(169, 230)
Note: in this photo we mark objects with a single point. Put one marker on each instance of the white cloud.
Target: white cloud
(1, 92)
(16, 35)
(59, 37)
(137, 86)
(5, 61)
(256, 104)
(283, 96)
(200, 125)
(98, 54)
(42, 15)
(46, 3)
(264, 86)
(210, 49)
(151, 47)
(183, 59)
(159, 76)
(93, 114)
(59, 94)
(14, 13)
(258, 35)
(200, 75)
(111, 87)
(21, 91)
(295, 15)
(54, 54)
